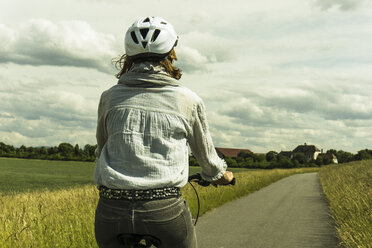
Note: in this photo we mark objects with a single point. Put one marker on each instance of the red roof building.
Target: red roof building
(230, 152)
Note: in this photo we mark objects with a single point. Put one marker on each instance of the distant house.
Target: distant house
(310, 151)
(288, 154)
(329, 156)
(230, 152)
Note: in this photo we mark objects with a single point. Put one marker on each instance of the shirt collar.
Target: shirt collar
(147, 74)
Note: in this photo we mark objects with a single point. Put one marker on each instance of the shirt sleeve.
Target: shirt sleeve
(101, 132)
(201, 144)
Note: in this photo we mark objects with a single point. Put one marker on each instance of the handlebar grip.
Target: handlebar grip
(198, 179)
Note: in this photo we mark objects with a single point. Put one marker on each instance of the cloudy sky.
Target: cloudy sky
(273, 74)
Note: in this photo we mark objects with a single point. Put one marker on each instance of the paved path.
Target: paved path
(291, 213)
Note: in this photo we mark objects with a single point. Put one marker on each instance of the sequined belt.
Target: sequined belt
(139, 195)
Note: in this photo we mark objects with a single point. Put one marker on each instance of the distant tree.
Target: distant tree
(243, 154)
(52, 150)
(332, 151)
(300, 157)
(43, 150)
(271, 155)
(363, 154)
(56, 156)
(240, 159)
(344, 157)
(30, 149)
(66, 150)
(6, 150)
(89, 150)
(77, 151)
(283, 162)
(319, 161)
(312, 163)
(22, 148)
(259, 158)
(250, 163)
(272, 159)
(193, 161)
(296, 164)
(231, 162)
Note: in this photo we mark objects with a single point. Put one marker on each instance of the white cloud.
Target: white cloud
(7, 37)
(344, 5)
(274, 108)
(198, 50)
(216, 47)
(47, 109)
(61, 107)
(66, 43)
(265, 118)
(190, 59)
(272, 74)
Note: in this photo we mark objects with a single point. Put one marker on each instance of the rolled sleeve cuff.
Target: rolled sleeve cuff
(217, 176)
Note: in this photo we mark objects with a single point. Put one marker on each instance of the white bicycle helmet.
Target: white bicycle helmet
(150, 37)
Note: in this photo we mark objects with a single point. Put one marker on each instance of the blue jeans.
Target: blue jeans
(168, 220)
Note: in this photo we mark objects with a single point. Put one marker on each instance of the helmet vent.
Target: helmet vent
(144, 32)
(134, 37)
(163, 23)
(147, 20)
(155, 35)
(144, 44)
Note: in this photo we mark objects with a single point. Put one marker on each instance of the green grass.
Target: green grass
(52, 203)
(21, 175)
(27, 175)
(65, 217)
(348, 187)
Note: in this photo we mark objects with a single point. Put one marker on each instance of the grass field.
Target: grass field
(58, 217)
(348, 188)
(20, 175)
(27, 175)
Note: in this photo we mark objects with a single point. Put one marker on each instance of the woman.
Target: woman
(145, 124)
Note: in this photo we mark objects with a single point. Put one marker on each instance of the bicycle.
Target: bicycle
(130, 240)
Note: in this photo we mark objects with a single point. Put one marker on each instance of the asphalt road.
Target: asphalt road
(289, 213)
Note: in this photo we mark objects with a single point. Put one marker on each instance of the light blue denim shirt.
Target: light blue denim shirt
(144, 125)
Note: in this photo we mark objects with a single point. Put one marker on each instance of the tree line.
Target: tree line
(273, 159)
(270, 160)
(64, 151)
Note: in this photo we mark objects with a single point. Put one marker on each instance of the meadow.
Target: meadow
(348, 188)
(53, 213)
(25, 175)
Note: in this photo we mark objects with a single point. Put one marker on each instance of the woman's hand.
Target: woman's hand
(224, 180)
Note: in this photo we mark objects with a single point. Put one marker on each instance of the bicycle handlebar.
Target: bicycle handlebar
(199, 180)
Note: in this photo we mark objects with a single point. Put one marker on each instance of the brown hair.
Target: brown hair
(124, 63)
